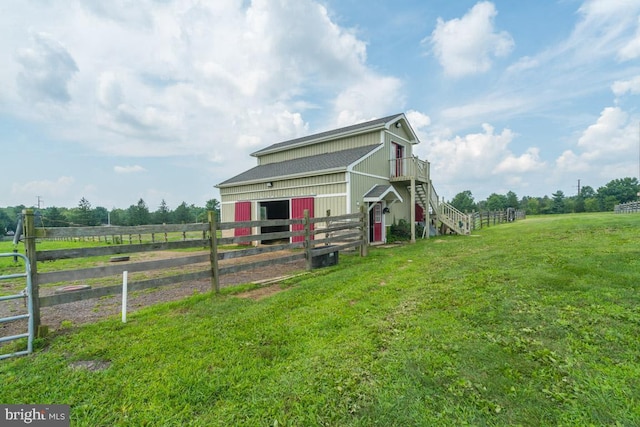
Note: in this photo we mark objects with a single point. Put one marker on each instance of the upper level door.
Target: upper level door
(398, 156)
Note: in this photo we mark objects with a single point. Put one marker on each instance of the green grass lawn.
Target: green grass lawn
(529, 323)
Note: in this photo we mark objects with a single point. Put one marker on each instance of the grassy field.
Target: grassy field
(528, 323)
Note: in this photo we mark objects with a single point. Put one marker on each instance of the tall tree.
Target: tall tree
(53, 217)
(464, 201)
(557, 203)
(497, 202)
(163, 214)
(512, 200)
(139, 213)
(83, 214)
(181, 214)
(624, 190)
(213, 205)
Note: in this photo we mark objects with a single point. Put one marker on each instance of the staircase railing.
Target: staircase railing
(454, 219)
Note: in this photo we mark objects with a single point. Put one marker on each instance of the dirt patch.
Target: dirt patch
(88, 311)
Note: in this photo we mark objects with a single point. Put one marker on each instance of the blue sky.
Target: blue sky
(162, 99)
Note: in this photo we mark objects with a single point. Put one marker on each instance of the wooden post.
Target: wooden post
(364, 220)
(30, 250)
(307, 239)
(213, 251)
(412, 213)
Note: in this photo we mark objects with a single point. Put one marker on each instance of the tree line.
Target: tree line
(85, 215)
(604, 199)
(587, 200)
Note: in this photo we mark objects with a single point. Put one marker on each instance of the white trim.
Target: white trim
(390, 189)
(282, 177)
(325, 196)
(331, 137)
(356, 162)
(285, 188)
(385, 178)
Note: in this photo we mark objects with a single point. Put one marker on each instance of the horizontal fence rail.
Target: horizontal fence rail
(214, 255)
(488, 218)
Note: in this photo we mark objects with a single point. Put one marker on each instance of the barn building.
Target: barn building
(369, 164)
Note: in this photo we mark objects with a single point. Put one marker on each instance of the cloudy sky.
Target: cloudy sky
(162, 99)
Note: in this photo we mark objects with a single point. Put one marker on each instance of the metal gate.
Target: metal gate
(26, 293)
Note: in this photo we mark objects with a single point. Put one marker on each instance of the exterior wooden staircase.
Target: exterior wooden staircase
(441, 211)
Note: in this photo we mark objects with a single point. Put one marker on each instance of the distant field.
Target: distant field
(528, 323)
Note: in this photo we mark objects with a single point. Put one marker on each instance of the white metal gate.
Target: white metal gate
(26, 293)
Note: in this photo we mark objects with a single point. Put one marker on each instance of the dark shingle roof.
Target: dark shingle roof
(323, 135)
(303, 165)
(377, 191)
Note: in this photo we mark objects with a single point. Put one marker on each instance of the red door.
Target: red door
(377, 222)
(419, 213)
(398, 153)
(298, 206)
(242, 213)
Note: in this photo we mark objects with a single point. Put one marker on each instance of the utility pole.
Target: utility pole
(578, 187)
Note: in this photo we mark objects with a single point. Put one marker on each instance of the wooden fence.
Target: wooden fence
(313, 237)
(488, 218)
(631, 207)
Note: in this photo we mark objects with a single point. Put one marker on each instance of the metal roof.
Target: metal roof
(380, 192)
(301, 166)
(318, 137)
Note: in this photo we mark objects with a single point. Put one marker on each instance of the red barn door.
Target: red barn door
(298, 206)
(242, 213)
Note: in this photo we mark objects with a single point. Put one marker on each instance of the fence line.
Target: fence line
(338, 233)
(488, 218)
(630, 207)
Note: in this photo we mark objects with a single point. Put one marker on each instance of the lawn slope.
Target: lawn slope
(528, 323)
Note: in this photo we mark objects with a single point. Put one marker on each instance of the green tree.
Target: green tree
(139, 214)
(533, 206)
(101, 215)
(6, 223)
(83, 214)
(558, 202)
(213, 205)
(623, 190)
(181, 214)
(119, 217)
(163, 214)
(578, 204)
(587, 192)
(464, 201)
(512, 200)
(53, 217)
(497, 202)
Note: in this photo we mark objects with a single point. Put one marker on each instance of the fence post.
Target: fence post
(30, 251)
(364, 220)
(307, 238)
(213, 251)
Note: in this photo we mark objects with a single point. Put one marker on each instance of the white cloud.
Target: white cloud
(128, 169)
(178, 78)
(467, 45)
(622, 87)
(370, 97)
(631, 50)
(47, 68)
(418, 120)
(527, 162)
(45, 188)
(607, 148)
